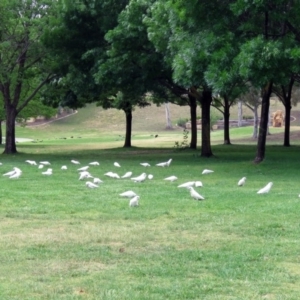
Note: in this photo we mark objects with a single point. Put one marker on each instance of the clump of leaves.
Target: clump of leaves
(182, 122)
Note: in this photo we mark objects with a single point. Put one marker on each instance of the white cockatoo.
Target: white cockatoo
(84, 174)
(145, 164)
(165, 164)
(112, 175)
(75, 162)
(83, 168)
(198, 184)
(187, 184)
(17, 173)
(127, 175)
(116, 164)
(91, 185)
(140, 178)
(94, 163)
(45, 163)
(265, 189)
(195, 194)
(206, 171)
(31, 162)
(48, 172)
(171, 178)
(15, 170)
(128, 194)
(64, 167)
(97, 180)
(134, 201)
(242, 181)
(150, 176)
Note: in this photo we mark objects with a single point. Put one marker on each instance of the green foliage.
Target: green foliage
(185, 143)
(25, 64)
(132, 63)
(77, 41)
(182, 122)
(258, 61)
(36, 108)
(214, 117)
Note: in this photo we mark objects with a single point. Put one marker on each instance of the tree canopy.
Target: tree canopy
(125, 53)
(24, 64)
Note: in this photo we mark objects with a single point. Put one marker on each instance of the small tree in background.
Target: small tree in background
(252, 100)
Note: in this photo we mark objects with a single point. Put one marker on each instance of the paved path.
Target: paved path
(22, 140)
(45, 122)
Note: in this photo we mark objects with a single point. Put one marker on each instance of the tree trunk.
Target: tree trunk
(255, 125)
(128, 114)
(269, 120)
(205, 131)
(286, 100)
(240, 114)
(193, 112)
(287, 124)
(226, 121)
(1, 139)
(10, 136)
(168, 118)
(263, 127)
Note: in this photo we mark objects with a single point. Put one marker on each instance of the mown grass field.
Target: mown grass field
(61, 240)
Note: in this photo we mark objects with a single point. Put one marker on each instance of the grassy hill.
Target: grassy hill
(151, 118)
(94, 125)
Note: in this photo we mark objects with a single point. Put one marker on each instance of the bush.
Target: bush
(182, 121)
(214, 118)
(184, 144)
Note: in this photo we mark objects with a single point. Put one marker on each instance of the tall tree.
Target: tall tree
(124, 102)
(284, 93)
(23, 60)
(223, 77)
(267, 51)
(168, 116)
(187, 48)
(252, 100)
(113, 62)
(132, 65)
(183, 97)
(2, 118)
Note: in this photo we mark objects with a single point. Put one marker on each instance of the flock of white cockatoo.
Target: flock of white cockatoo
(93, 182)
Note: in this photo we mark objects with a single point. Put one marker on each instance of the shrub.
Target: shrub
(182, 121)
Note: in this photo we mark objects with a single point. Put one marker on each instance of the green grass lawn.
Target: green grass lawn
(61, 240)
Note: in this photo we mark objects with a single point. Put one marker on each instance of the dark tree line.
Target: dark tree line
(117, 53)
